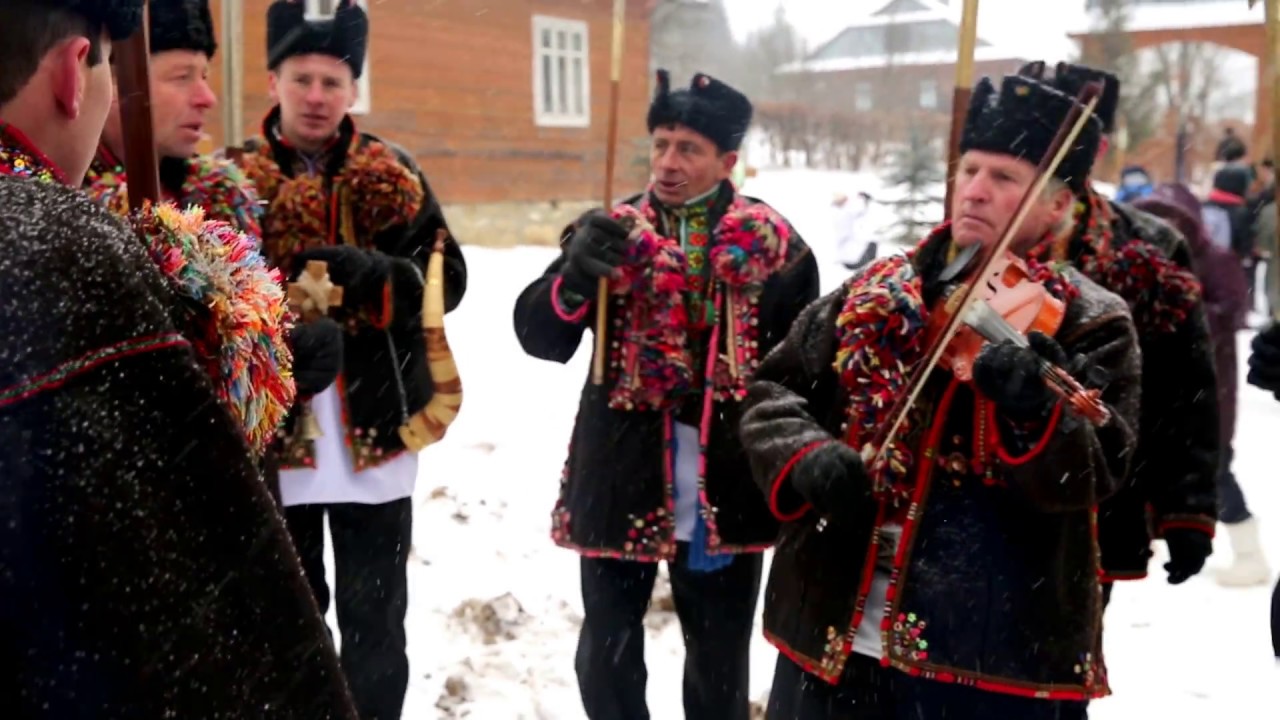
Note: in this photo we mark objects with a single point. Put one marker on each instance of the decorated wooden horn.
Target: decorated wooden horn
(430, 424)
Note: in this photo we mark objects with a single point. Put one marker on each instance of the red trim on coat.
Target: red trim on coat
(1003, 452)
(69, 370)
(1184, 522)
(776, 488)
(557, 304)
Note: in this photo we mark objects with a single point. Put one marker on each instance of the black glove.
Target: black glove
(361, 274)
(1009, 376)
(317, 355)
(831, 478)
(597, 247)
(1264, 361)
(1188, 549)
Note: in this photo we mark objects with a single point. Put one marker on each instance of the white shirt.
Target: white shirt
(866, 641)
(334, 479)
(686, 480)
(851, 242)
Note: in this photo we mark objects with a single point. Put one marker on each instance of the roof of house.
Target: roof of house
(902, 32)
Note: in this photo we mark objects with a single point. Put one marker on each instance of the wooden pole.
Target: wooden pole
(133, 74)
(602, 291)
(1271, 63)
(963, 91)
(232, 73)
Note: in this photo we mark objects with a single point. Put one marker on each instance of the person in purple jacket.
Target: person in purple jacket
(1226, 300)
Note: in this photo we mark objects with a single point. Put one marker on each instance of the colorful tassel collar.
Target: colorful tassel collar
(227, 302)
(651, 359)
(1161, 295)
(213, 184)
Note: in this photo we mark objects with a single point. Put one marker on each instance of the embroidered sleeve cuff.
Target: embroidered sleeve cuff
(1203, 523)
(1029, 442)
(569, 306)
(784, 502)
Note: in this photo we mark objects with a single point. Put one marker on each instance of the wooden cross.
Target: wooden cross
(314, 294)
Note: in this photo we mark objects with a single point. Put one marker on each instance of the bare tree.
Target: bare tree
(1113, 52)
(1189, 75)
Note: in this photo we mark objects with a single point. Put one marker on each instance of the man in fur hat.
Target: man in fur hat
(1179, 459)
(144, 570)
(182, 46)
(703, 282)
(955, 576)
(183, 43)
(362, 205)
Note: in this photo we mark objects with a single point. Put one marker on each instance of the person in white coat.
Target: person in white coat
(855, 247)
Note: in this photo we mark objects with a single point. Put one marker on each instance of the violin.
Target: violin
(1000, 301)
(1006, 305)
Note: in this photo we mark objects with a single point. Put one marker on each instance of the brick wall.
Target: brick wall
(452, 82)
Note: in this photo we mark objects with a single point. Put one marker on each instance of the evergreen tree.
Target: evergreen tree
(918, 170)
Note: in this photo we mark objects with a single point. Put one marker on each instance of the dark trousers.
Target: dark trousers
(370, 552)
(1275, 619)
(716, 612)
(870, 692)
(1232, 508)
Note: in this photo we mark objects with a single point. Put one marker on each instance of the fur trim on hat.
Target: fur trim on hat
(1022, 119)
(182, 25)
(1070, 80)
(708, 106)
(344, 36)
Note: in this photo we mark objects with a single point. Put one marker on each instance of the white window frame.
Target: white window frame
(928, 94)
(541, 115)
(321, 10)
(863, 96)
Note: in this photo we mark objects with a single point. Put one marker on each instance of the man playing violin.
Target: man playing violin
(955, 574)
(1179, 460)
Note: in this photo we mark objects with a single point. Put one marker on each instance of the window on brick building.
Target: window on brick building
(929, 94)
(323, 9)
(561, 72)
(862, 98)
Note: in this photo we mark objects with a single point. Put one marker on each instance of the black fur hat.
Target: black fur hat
(1022, 119)
(1071, 79)
(289, 33)
(182, 25)
(120, 18)
(709, 107)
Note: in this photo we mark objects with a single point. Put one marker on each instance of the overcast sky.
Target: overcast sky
(1022, 24)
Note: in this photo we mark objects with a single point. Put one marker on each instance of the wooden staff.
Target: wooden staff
(602, 290)
(133, 74)
(963, 91)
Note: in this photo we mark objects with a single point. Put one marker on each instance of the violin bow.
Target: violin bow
(133, 75)
(961, 95)
(1063, 140)
(610, 153)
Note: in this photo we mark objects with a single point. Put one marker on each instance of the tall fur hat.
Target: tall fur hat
(289, 33)
(182, 25)
(1071, 79)
(1021, 120)
(120, 18)
(709, 107)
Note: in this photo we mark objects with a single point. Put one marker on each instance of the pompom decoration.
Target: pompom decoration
(880, 337)
(215, 185)
(652, 325)
(656, 367)
(751, 245)
(387, 192)
(242, 324)
(1160, 294)
(375, 191)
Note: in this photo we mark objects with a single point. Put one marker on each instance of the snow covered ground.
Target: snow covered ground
(482, 517)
